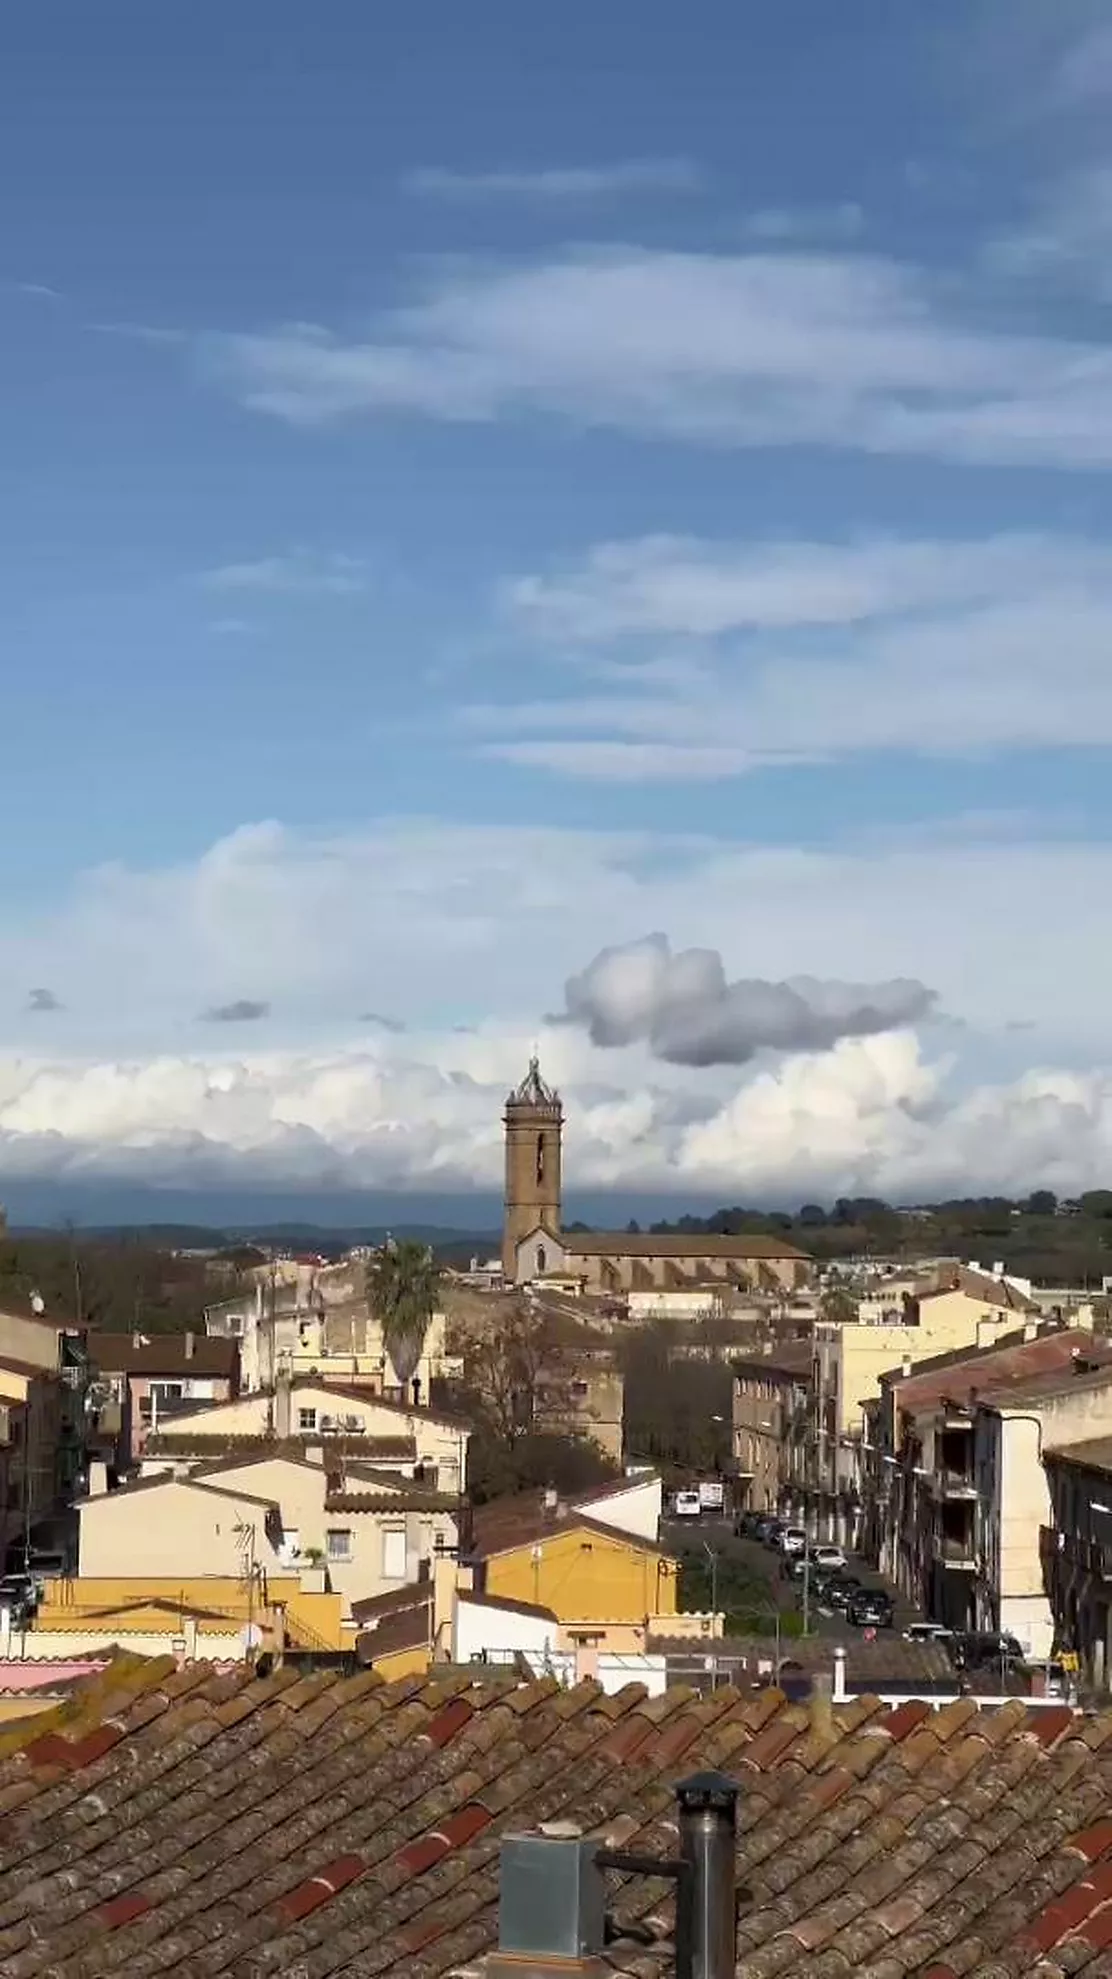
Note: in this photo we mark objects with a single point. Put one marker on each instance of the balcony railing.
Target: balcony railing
(958, 1552)
(956, 1484)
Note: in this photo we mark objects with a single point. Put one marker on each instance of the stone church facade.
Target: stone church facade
(536, 1246)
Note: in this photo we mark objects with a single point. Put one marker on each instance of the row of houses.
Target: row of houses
(966, 1452)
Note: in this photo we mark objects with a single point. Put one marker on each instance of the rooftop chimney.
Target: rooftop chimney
(552, 1908)
(190, 1344)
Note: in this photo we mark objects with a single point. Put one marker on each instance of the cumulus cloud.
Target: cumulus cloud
(870, 1116)
(568, 182)
(759, 349)
(687, 1011)
(244, 1010)
(43, 1000)
(302, 914)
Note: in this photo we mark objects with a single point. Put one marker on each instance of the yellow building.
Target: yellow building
(217, 1617)
(603, 1585)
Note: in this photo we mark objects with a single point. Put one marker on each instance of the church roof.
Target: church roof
(648, 1243)
(533, 1090)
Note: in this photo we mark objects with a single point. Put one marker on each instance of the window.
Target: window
(579, 1387)
(337, 1542)
(306, 1418)
(540, 1157)
(393, 1553)
(542, 1257)
(168, 1391)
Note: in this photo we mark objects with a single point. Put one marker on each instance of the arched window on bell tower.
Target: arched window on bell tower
(540, 1157)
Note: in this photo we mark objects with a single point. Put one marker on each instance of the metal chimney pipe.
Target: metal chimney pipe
(706, 1897)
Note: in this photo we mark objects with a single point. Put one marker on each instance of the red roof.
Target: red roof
(191, 1822)
(962, 1377)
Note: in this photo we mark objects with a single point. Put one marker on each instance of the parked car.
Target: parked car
(793, 1539)
(828, 1556)
(761, 1526)
(871, 1608)
(841, 1591)
(773, 1528)
(927, 1632)
(746, 1525)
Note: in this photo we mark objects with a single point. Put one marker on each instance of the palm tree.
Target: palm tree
(402, 1283)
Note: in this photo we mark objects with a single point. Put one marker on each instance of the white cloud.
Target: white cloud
(872, 1116)
(569, 182)
(756, 349)
(682, 1005)
(134, 954)
(1003, 929)
(676, 584)
(299, 570)
(805, 652)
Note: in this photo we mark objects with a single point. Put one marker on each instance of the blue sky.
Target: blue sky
(477, 487)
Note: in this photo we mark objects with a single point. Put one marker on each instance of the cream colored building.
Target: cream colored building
(320, 1323)
(366, 1533)
(416, 1442)
(1011, 1433)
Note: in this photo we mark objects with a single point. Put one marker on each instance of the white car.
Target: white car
(793, 1539)
(827, 1556)
(927, 1632)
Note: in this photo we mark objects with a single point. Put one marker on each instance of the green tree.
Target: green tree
(402, 1281)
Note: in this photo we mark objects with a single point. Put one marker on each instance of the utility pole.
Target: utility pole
(713, 1558)
(807, 1588)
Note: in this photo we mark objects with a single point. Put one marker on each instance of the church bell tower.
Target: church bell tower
(534, 1124)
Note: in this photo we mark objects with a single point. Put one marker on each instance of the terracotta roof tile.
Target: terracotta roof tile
(203, 1823)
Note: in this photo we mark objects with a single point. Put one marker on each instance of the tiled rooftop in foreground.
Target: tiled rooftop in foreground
(195, 1823)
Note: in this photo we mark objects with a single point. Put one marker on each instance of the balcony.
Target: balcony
(956, 1484)
(960, 1553)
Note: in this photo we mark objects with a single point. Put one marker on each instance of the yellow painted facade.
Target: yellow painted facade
(587, 1576)
(215, 1606)
(403, 1663)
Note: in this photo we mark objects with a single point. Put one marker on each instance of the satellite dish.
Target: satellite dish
(38, 1303)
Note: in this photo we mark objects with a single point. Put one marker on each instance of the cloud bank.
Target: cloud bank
(870, 1116)
(484, 923)
(687, 1012)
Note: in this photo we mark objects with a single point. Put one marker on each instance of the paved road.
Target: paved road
(762, 1563)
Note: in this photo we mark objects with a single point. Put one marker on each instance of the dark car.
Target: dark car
(760, 1526)
(989, 1649)
(871, 1608)
(842, 1591)
(773, 1527)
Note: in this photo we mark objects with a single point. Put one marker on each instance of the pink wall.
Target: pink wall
(41, 1673)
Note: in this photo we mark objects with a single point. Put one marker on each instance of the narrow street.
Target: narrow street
(746, 1564)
